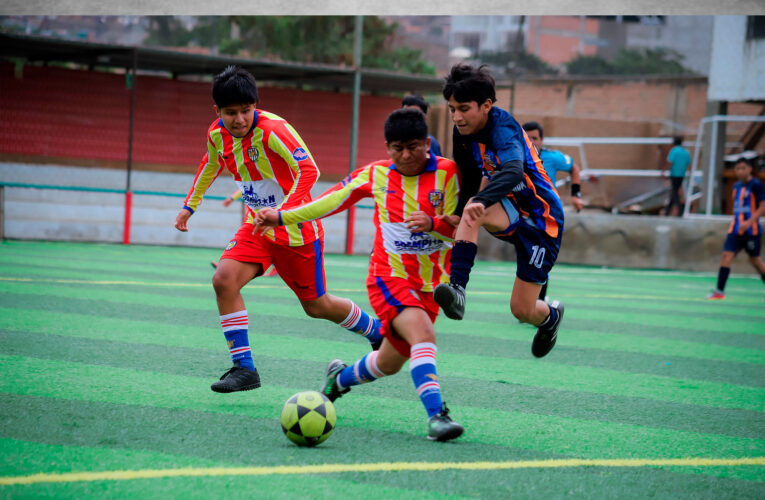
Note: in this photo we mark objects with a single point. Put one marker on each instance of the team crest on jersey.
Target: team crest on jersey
(436, 197)
(487, 158)
(231, 244)
(253, 154)
(300, 154)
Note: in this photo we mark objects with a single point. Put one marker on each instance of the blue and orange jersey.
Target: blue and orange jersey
(503, 140)
(272, 167)
(747, 198)
(420, 258)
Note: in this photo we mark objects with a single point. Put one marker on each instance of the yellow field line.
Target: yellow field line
(121, 475)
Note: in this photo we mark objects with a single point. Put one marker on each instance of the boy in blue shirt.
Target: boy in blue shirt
(555, 161)
(516, 202)
(678, 160)
(745, 231)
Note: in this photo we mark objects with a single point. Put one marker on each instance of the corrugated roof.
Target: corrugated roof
(42, 49)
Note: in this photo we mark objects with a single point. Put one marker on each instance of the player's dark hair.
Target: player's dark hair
(405, 124)
(529, 126)
(678, 140)
(415, 100)
(234, 85)
(746, 161)
(469, 83)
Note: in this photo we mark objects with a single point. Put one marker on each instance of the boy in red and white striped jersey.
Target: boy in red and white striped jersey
(415, 194)
(273, 168)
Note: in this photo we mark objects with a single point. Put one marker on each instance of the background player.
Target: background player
(745, 231)
(678, 160)
(414, 191)
(518, 203)
(419, 102)
(553, 162)
(272, 167)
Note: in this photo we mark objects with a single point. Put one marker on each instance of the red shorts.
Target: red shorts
(302, 267)
(388, 297)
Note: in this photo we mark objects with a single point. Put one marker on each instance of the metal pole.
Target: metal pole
(695, 163)
(711, 167)
(2, 212)
(357, 46)
(128, 194)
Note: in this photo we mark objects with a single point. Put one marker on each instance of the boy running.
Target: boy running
(518, 203)
(414, 191)
(273, 168)
(745, 231)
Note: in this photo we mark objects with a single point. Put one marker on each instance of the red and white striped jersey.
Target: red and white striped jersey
(272, 167)
(421, 258)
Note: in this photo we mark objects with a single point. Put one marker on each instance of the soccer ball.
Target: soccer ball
(308, 418)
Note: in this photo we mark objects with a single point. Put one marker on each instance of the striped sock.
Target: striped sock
(362, 371)
(235, 329)
(362, 323)
(422, 365)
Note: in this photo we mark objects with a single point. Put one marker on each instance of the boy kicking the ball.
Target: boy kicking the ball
(518, 203)
(273, 168)
(415, 194)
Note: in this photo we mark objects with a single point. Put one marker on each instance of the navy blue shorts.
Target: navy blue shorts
(536, 252)
(747, 242)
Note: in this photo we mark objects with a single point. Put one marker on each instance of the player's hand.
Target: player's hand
(744, 226)
(473, 212)
(181, 220)
(577, 202)
(419, 222)
(228, 201)
(264, 219)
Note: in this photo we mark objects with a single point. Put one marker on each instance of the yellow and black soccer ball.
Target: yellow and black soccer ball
(308, 418)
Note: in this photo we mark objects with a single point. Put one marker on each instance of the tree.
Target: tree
(589, 65)
(659, 61)
(528, 64)
(310, 39)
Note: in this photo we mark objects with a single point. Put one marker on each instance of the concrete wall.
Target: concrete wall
(635, 241)
(45, 214)
(593, 238)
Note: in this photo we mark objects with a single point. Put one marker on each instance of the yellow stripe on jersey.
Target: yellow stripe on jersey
(380, 190)
(426, 272)
(411, 185)
(325, 204)
(205, 178)
(299, 140)
(263, 164)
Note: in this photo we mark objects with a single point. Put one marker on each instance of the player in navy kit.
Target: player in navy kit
(516, 202)
(745, 232)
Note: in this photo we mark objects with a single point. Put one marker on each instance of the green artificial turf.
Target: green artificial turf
(107, 353)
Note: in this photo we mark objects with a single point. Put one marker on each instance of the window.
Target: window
(755, 27)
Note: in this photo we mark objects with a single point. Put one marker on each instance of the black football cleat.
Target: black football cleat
(442, 428)
(329, 388)
(451, 298)
(238, 378)
(546, 335)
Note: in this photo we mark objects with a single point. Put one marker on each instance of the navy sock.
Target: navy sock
(543, 291)
(722, 277)
(463, 256)
(551, 318)
(763, 277)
